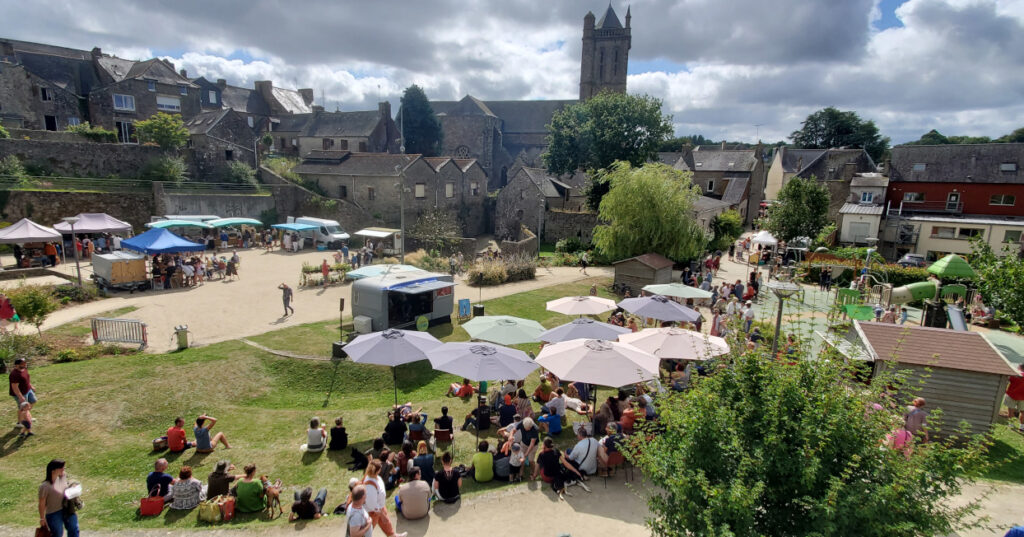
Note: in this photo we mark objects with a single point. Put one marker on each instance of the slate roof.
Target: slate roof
(958, 163)
(705, 204)
(735, 189)
(66, 68)
(291, 100)
(870, 179)
(204, 121)
(291, 123)
(609, 19)
(469, 106)
(795, 160)
(655, 261)
(934, 347)
(341, 123)
(357, 164)
(437, 162)
(540, 178)
(516, 116)
(464, 164)
(244, 100)
(724, 161)
(669, 158)
(861, 208)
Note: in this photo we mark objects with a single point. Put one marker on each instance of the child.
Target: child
(25, 419)
(515, 461)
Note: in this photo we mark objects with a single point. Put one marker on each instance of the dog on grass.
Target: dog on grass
(273, 494)
(358, 462)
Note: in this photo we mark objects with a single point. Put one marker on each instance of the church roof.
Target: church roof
(516, 116)
(470, 106)
(609, 19)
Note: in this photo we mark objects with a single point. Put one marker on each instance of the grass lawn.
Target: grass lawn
(101, 415)
(547, 249)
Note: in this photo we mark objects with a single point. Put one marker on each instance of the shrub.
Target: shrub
(240, 172)
(433, 263)
(4, 133)
(520, 267)
(893, 274)
(570, 245)
(488, 272)
(66, 355)
(72, 293)
(94, 134)
(11, 166)
(18, 346)
(165, 168)
(33, 303)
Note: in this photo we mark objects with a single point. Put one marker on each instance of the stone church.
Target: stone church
(504, 136)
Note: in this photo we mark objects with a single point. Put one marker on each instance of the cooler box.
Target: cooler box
(362, 324)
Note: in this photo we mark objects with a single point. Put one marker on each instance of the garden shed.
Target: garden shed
(647, 269)
(962, 373)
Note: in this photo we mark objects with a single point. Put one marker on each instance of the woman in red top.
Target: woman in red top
(326, 270)
(1015, 397)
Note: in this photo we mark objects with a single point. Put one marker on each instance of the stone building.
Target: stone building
(42, 87)
(530, 195)
(219, 95)
(371, 181)
(834, 168)
(370, 131)
(218, 137)
(606, 47)
(734, 176)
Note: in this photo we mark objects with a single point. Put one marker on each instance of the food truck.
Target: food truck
(398, 300)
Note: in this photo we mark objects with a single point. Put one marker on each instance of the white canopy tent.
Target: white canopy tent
(764, 238)
(95, 223)
(25, 230)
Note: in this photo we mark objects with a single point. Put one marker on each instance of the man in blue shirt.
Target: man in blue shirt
(551, 423)
(158, 482)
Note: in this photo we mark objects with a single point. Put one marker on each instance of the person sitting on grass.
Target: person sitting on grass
(524, 407)
(506, 413)
(188, 491)
(556, 404)
(249, 494)
(376, 449)
(542, 394)
(205, 444)
(394, 431)
(413, 498)
(306, 507)
(557, 469)
(418, 424)
(482, 467)
(480, 417)
(447, 482)
(405, 410)
(219, 481)
(583, 456)
(339, 438)
(176, 442)
(461, 390)
(316, 437)
(159, 482)
(550, 424)
(424, 462)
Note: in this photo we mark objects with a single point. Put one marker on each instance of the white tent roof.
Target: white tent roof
(94, 223)
(25, 230)
(764, 238)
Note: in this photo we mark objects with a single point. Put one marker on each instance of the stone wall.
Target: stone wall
(80, 159)
(223, 205)
(462, 244)
(526, 245)
(566, 224)
(48, 136)
(47, 208)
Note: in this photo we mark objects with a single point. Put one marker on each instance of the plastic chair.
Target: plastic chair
(615, 461)
(415, 436)
(446, 436)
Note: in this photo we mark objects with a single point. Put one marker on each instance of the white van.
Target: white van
(327, 232)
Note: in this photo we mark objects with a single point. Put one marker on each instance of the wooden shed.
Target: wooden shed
(636, 272)
(967, 375)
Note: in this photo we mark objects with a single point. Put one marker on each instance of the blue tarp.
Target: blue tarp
(293, 227)
(160, 241)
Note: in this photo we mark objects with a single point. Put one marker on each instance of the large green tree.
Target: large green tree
(769, 449)
(592, 134)
(1016, 136)
(999, 277)
(726, 228)
(420, 125)
(830, 127)
(801, 211)
(165, 130)
(648, 209)
(934, 137)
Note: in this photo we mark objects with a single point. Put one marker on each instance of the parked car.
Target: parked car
(912, 260)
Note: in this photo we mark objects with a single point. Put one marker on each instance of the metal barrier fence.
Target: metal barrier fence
(119, 331)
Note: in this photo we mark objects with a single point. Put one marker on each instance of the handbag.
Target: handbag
(151, 505)
(209, 511)
(42, 531)
(227, 508)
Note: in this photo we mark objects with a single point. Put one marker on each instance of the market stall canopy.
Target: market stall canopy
(293, 227)
(222, 222)
(677, 290)
(764, 238)
(370, 271)
(94, 223)
(163, 224)
(376, 232)
(504, 329)
(160, 241)
(25, 230)
(952, 266)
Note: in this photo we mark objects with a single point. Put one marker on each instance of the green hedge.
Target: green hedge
(894, 274)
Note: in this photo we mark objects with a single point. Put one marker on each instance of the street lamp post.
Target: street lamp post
(782, 290)
(401, 210)
(71, 220)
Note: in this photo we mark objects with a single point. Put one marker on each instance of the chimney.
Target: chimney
(588, 23)
(799, 164)
(96, 52)
(266, 90)
(221, 83)
(723, 145)
(886, 167)
(384, 108)
(183, 73)
(307, 95)
(849, 169)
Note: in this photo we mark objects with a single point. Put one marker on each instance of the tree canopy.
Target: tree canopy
(934, 137)
(165, 130)
(801, 211)
(764, 448)
(422, 130)
(726, 228)
(830, 127)
(649, 209)
(999, 277)
(609, 127)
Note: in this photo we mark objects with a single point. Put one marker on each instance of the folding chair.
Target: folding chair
(615, 461)
(446, 436)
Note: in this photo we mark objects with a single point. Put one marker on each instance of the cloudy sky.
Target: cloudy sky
(741, 69)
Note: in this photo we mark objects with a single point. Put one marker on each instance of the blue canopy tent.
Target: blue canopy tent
(293, 227)
(160, 241)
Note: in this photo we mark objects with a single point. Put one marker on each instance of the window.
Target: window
(282, 143)
(711, 185)
(970, 232)
(913, 197)
(474, 188)
(1008, 167)
(45, 94)
(420, 190)
(449, 190)
(168, 104)
(124, 102)
(183, 90)
(371, 193)
(1002, 199)
(1011, 235)
(295, 142)
(151, 85)
(867, 197)
(362, 147)
(327, 143)
(213, 97)
(942, 232)
(342, 191)
(229, 154)
(250, 121)
(343, 145)
(125, 132)
(50, 122)
(919, 167)
(73, 121)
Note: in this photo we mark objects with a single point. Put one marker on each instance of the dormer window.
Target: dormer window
(867, 197)
(919, 167)
(183, 90)
(151, 85)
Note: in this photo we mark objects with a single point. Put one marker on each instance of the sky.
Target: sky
(739, 69)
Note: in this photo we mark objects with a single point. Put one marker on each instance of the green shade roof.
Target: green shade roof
(162, 224)
(221, 222)
(860, 312)
(952, 266)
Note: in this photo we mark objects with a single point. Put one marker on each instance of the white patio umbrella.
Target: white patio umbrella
(391, 348)
(481, 361)
(503, 329)
(677, 290)
(600, 362)
(583, 328)
(660, 308)
(676, 343)
(581, 305)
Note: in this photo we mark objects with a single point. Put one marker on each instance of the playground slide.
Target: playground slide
(913, 291)
(956, 318)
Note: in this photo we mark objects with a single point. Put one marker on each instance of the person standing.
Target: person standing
(286, 297)
(359, 523)
(1015, 398)
(52, 515)
(584, 260)
(376, 499)
(20, 385)
(7, 313)
(325, 269)
(916, 418)
(903, 315)
(344, 251)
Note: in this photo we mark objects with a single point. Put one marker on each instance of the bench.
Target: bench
(119, 331)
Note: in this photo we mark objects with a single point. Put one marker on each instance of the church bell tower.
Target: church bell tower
(606, 46)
